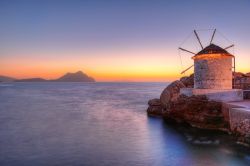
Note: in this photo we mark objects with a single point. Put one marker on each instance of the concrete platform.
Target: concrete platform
(236, 112)
(240, 104)
(224, 95)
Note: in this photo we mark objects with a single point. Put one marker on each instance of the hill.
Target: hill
(6, 79)
(75, 77)
(69, 77)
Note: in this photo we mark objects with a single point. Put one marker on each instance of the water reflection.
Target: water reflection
(98, 124)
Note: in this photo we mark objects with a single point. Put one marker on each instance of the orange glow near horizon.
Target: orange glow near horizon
(142, 65)
(135, 65)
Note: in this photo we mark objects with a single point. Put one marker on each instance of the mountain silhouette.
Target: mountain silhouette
(75, 77)
(7, 79)
(69, 77)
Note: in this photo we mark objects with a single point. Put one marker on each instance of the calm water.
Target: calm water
(96, 124)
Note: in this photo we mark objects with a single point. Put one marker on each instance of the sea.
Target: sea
(100, 124)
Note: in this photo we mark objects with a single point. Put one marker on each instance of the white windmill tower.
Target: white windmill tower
(213, 73)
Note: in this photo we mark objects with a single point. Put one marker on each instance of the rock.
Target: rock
(155, 107)
(244, 127)
(188, 81)
(6, 79)
(197, 111)
(75, 77)
(243, 131)
(171, 93)
(154, 102)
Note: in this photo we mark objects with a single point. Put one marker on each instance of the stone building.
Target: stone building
(213, 68)
(213, 75)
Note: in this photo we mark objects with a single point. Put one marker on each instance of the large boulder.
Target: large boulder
(188, 81)
(197, 111)
(171, 93)
(154, 107)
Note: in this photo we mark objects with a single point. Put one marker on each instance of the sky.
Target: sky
(115, 40)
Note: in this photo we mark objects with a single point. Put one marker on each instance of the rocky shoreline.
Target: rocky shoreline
(198, 111)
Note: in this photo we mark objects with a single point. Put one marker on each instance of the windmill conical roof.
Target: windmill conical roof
(212, 49)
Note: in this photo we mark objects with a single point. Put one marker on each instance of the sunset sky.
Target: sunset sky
(115, 40)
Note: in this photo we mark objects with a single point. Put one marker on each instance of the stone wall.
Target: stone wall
(237, 115)
(240, 124)
(213, 73)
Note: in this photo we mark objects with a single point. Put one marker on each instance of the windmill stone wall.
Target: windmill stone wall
(213, 73)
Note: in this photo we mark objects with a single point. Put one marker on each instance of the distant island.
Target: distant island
(68, 77)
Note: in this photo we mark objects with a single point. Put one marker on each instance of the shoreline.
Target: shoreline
(198, 111)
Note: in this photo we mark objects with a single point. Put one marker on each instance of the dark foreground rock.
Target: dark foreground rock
(155, 107)
(171, 92)
(188, 81)
(196, 111)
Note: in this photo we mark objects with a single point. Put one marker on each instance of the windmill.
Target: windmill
(213, 65)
